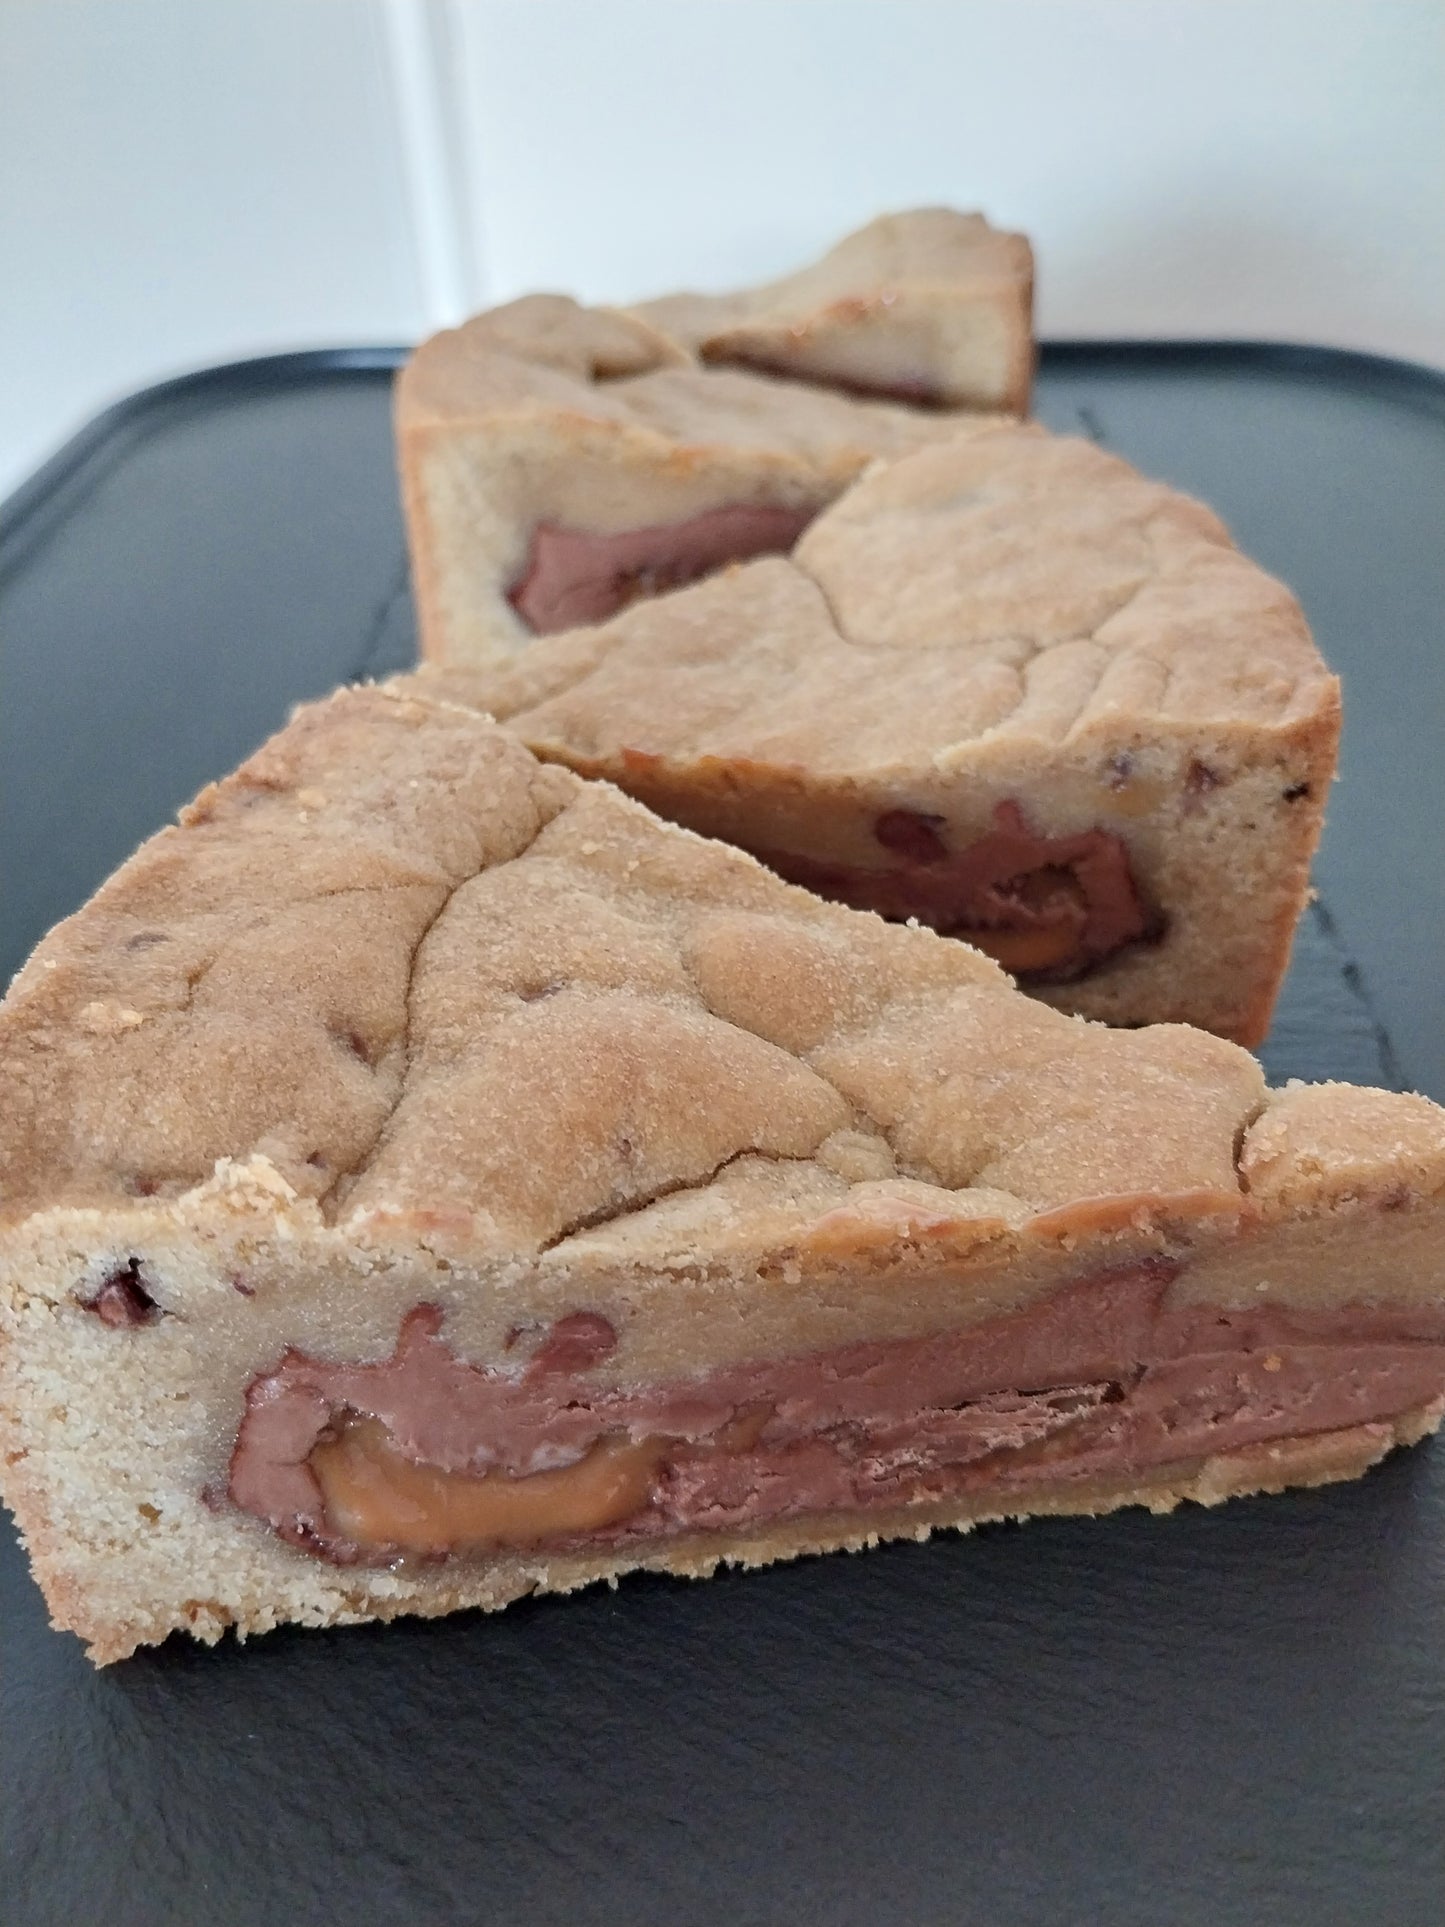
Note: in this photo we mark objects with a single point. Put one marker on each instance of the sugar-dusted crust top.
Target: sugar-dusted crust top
(1005, 586)
(398, 969)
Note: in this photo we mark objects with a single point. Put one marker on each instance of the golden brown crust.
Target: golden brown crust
(213, 994)
(1010, 584)
(353, 956)
(546, 412)
(399, 1015)
(1006, 617)
(988, 616)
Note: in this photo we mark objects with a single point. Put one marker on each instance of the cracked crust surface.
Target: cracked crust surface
(1007, 617)
(544, 412)
(415, 970)
(1010, 584)
(397, 1014)
(930, 302)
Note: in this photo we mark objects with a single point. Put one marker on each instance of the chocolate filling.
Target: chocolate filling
(573, 576)
(1099, 1380)
(122, 1299)
(1048, 908)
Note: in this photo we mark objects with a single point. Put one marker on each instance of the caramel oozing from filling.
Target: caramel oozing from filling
(377, 1497)
(1048, 947)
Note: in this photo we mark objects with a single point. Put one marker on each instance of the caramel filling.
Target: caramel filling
(1049, 947)
(374, 1496)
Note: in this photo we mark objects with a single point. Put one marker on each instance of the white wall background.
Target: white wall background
(183, 182)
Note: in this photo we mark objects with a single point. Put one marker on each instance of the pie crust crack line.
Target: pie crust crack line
(518, 687)
(235, 937)
(1032, 652)
(1032, 661)
(834, 618)
(332, 1201)
(1035, 647)
(860, 1119)
(618, 1214)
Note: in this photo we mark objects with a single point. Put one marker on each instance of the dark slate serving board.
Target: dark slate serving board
(1226, 1717)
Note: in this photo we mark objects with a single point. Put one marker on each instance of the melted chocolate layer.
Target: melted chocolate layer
(1048, 908)
(574, 577)
(1095, 1380)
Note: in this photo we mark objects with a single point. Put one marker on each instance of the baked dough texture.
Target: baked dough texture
(1009, 620)
(930, 306)
(544, 414)
(397, 1015)
(921, 659)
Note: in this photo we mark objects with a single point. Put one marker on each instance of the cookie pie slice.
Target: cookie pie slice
(559, 462)
(930, 306)
(429, 1179)
(1005, 686)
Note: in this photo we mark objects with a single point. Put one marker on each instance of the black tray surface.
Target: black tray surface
(1225, 1717)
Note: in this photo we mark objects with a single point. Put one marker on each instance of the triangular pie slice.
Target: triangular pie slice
(428, 1179)
(929, 306)
(557, 462)
(1004, 685)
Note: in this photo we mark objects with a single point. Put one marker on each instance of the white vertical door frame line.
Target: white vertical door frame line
(463, 47)
(422, 42)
